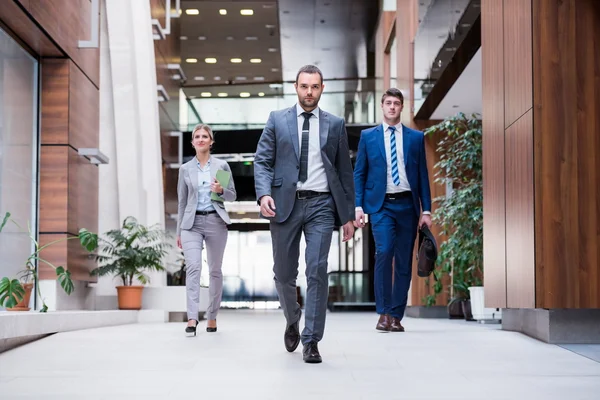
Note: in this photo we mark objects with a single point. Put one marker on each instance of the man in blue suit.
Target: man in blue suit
(392, 186)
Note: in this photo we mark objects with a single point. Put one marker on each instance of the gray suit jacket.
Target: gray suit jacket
(187, 192)
(277, 163)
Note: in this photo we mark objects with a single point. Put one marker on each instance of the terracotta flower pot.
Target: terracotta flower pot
(130, 297)
(24, 303)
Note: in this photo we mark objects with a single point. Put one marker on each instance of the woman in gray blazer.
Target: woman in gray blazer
(202, 219)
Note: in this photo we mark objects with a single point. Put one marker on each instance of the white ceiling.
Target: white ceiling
(331, 34)
(466, 93)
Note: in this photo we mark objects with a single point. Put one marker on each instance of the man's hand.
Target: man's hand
(359, 222)
(179, 242)
(425, 220)
(348, 231)
(267, 206)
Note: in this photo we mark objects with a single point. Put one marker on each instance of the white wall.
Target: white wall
(131, 184)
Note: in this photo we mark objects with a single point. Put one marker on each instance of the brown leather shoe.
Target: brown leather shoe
(395, 325)
(384, 323)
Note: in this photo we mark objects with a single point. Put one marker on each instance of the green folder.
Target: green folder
(223, 178)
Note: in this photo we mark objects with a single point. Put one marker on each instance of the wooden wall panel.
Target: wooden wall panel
(494, 223)
(55, 254)
(24, 3)
(55, 101)
(68, 22)
(517, 59)
(520, 244)
(405, 37)
(82, 193)
(84, 110)
(567, 152)
(25, 29)
(53, 189)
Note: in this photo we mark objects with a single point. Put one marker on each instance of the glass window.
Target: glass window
(18, 152)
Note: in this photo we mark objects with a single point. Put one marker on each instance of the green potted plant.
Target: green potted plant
(128, 253)
(15, 293)
(460, 212)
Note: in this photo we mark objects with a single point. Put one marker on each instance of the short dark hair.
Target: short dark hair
(309, 69)
(393, 92)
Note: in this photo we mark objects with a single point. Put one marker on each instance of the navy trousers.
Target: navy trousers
(394, 229)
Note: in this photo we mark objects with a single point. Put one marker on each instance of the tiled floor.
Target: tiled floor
(434, 359)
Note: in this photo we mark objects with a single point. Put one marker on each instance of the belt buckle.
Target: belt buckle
(300, 197)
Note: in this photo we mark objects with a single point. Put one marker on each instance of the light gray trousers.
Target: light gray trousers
(316, 218)
(212, 230)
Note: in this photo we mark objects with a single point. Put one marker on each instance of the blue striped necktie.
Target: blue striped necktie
(395, 175)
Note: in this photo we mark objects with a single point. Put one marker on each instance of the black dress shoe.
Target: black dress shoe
(310, 353)
(291, 337)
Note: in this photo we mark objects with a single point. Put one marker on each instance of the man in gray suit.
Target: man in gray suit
(304, 183)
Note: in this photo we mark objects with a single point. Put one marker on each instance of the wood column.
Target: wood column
(541, 151)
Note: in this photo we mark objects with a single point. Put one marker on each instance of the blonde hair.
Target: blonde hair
(207, 128)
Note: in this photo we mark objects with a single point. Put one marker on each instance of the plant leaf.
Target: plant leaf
(64, 278)
(44, 308)
(11, 292)
(88, 239)
(4, 221)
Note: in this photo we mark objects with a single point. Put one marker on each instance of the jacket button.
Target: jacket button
(297, 167)
(294, 184)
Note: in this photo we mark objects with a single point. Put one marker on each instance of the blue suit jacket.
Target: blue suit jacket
(370, 171)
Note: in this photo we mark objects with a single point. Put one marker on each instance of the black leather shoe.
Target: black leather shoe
(291, 337)
(310, 353)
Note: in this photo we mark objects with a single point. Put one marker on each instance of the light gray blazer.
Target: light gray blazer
(277, 163)
(187, 192)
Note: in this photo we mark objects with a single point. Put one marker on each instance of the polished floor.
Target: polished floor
(245, 359)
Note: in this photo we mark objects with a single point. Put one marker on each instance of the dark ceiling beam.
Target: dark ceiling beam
(464, 53)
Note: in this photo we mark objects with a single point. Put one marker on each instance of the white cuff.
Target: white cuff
(426, 212)
(358, 209)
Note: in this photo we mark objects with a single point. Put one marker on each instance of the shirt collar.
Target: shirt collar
(300, 110)
(207, 164)
(398, 127)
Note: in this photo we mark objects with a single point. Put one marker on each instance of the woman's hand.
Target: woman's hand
(216, 187)
(179, 242)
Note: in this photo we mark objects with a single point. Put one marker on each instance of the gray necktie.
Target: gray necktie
(304, 148)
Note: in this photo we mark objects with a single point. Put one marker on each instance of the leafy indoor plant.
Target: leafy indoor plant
(15, 293)
(128, 252)
(460, 212)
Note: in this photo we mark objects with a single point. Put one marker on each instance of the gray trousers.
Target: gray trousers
(316, 218)
(212, 230)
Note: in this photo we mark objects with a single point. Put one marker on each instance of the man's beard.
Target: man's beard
(314, 101)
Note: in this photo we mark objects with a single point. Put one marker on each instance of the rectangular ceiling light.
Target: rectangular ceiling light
(192, 11)
(255, 60)
(247, 12)
(236, 60)
(223, 11)
(210, 60)
(206, 94)
(222, 94)
(244, 94)
(191, 60)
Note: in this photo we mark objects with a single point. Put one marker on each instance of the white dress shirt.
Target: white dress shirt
(391, 187)
(316, 179)
(204, 181)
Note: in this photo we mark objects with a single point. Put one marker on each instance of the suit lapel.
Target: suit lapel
(193, 173)
(405, 146)
(323, 129)
(292, 120)
(213, 168)
(381, 141)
